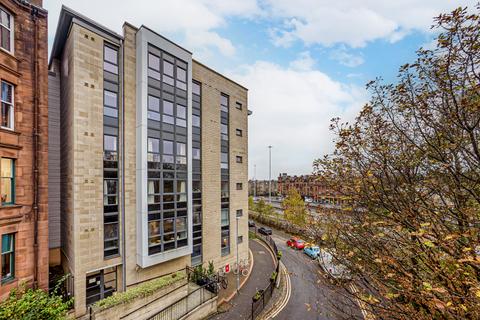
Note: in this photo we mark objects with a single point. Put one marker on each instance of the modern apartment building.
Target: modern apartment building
(153, 158)
(23, 145)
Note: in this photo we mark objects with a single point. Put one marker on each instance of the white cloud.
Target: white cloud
(194, 22)
(347, 59)
(304, 62)
(292, 109)
(354, 22)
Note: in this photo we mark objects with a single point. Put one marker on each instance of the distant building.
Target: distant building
(309, 186)
(260, 187)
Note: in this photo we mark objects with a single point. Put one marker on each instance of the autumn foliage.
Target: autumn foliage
(409, 171)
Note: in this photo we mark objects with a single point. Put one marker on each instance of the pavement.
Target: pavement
(312, 295)
(240, 306)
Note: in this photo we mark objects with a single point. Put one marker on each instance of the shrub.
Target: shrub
(142, 290)
(30, 304)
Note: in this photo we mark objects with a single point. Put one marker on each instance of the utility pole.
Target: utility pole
(270, 174)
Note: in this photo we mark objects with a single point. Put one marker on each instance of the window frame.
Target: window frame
(239, 132)
(238, 105)
(10, 252)
(12, 183)
(11, 104)
(11, 32)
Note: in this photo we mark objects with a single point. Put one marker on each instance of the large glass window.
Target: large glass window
(153, 66)
(7, 113)
(7, 181)
(8, 257)
(110, 62)
(6, 30)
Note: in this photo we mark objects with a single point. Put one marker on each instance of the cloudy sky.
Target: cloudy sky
(304, 61)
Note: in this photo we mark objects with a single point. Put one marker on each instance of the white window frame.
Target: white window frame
(12, 32)
(12, 105)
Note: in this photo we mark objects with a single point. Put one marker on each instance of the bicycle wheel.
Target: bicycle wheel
(245, 272)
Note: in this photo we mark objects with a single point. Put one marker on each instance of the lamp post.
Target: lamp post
(238, 266)
(270, 174)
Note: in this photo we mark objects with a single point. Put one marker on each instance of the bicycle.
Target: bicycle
(241, 267)
(222, 279)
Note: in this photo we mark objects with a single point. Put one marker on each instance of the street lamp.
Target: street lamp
(270, 174)
(238, 265)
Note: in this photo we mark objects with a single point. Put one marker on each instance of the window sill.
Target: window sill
(8, 280)
(10, 206)
(9, 130)
(112, 257)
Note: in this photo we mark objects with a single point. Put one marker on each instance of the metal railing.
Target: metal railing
(185, 305)
(266, 294)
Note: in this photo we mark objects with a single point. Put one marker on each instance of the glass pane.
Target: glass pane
(167, 159)
(168, 186)
(168, 107)
(181, 149)
(181, 85)
(152, 115)
(6, 195)
(7, 243)
(195, 88)
(153, 62)
(181, 187)
(168, 80)
(7, 271)
(224, 157)
(110, 112)
(196, 153)
(7, 92)
(181, 224)
(153, 145)
(6, 116)
(110, 98)
(196, 121)
(110, 143)
(4, 18)
(110, 55)
(224, 129)
(168, 225)
(110, 67)
(167, 147)
(6, 168)
(167, 68)
(110, 186)
(224, 100)
(168, 119)
(153, 186)
(181, 112)
(110, 231)
(154, 74)
(154, 228)
(5, 38)
(181, 123)
(153, 103)
(181, 74)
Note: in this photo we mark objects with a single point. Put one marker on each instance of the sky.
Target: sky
(304, 61)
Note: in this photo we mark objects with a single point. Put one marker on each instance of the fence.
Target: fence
(184, 305)
(260, 301)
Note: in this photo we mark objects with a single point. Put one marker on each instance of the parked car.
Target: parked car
(264, 230)
(296, 243)
(251, 224)
(333, 268)
(312, 251)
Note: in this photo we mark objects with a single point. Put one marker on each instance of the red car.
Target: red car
(296, 243)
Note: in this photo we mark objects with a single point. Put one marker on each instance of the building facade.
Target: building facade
(262, 187)
(309, 186)
(153, 171)
(23, 145)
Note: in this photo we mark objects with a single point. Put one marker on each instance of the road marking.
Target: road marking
(361, 304)
(287, 297)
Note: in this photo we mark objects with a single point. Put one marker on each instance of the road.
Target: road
(312, 297)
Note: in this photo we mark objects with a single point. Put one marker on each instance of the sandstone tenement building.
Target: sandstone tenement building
(153, 153)
(309, 186)
(23, 145)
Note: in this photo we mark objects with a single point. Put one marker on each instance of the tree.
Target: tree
(294, 208)
(409, 167)
(251, 204)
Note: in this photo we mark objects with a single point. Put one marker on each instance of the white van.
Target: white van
(334, 269)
